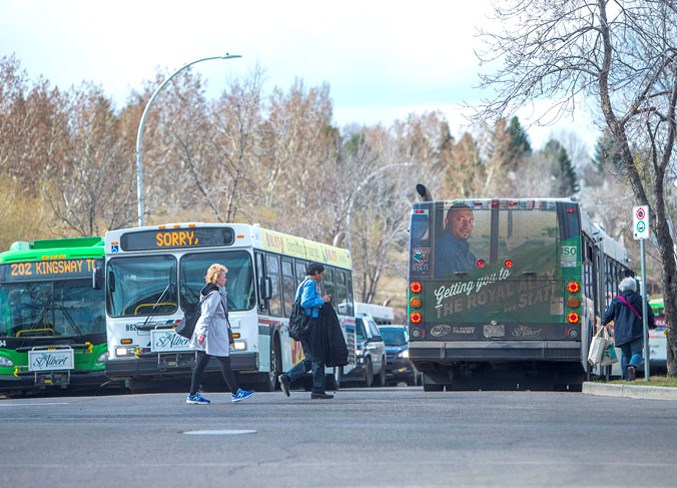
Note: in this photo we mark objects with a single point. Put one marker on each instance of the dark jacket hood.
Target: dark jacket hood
(208, 288)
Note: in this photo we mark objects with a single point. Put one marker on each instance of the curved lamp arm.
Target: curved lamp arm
(142, 123)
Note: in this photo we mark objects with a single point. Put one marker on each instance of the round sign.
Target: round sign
(641, 226)
(640, 213)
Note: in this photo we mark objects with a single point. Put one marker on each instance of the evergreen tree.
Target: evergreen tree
(519, 139)
(606, 154)
(563, 170)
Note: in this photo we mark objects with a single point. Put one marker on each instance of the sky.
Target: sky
(381, 59)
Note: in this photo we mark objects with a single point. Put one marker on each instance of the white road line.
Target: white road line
(30, 404)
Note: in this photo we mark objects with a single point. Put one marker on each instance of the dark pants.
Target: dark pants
(201, 360)
(307, 364)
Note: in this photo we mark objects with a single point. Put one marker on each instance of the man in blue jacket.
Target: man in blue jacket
(311, 301)
(452, 253)
(625, 310)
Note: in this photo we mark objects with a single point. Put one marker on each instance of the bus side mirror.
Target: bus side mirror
(97, 276)
(266, 287)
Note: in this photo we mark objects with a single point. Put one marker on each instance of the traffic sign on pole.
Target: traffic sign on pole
(640, 222)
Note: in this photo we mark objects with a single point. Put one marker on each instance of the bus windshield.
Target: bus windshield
(51, 308)
(239, 282)
(141, 286)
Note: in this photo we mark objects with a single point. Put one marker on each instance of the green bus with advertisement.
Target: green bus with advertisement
(504, 293)
(52, 315)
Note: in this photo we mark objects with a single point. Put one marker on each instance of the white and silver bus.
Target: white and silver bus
(154, 274)
(382, 314)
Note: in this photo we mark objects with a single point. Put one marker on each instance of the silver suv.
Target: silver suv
(370, 353)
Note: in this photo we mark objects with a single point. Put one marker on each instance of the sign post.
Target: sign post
(640, 231)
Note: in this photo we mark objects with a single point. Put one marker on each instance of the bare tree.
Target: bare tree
(90, 191)
(620, 54)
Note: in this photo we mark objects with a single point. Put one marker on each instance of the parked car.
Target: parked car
(370, 353)
(398, 366)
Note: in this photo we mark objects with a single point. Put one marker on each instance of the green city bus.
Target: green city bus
(52, 315)
(518, 308)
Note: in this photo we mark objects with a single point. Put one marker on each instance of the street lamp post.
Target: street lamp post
(139, 134)
(357, 190)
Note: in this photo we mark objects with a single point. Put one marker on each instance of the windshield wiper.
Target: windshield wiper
(145, 325)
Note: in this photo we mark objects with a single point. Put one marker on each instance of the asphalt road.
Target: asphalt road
(378, 437)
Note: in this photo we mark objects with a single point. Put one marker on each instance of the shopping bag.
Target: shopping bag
(597, 346)
(609, 357)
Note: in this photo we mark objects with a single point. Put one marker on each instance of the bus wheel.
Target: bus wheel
(269, 382)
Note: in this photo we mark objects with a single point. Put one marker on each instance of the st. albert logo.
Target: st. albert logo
(420, 254)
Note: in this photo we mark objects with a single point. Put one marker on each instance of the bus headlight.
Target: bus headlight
(102, 357)
(6, 362)
(404, 354)
(125, 351)
(240, 346)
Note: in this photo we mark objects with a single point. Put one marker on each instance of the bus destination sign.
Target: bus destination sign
(47, 270)
(177, 238)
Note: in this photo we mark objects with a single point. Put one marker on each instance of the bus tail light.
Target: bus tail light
(415, 317)
(573, 317)
(417, 333)
(415, 302)
(573, 287)
(481, 263)
(415, 287)
(573, 302)
(508, 263)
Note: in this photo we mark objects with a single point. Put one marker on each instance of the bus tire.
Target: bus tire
(269, 380)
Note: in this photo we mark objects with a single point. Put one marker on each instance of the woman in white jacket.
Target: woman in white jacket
(212, 336)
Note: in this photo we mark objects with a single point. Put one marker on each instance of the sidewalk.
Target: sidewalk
(636, 390)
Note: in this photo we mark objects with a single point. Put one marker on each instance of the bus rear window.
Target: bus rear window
(528, 238)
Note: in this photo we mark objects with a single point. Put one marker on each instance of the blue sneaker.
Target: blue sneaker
(241, 395)
(197, 399)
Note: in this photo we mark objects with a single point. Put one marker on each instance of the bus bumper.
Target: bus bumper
(52, 379)
(453, 351)
(172, 364)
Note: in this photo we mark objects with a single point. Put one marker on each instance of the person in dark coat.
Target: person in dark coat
(625, 310)
(314, 353)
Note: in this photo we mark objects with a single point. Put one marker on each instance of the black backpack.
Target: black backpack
(299, 322)
(187, 325)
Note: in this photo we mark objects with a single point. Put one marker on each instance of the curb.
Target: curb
(630, 391)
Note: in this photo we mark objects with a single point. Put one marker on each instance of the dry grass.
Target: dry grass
(653, 381)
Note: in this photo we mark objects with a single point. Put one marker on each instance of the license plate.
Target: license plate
(166, 340)
(56, 360)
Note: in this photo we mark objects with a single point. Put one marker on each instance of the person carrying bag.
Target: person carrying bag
(628, 326)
